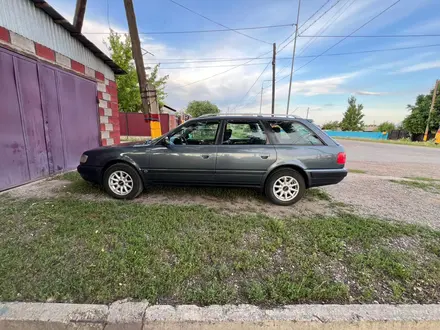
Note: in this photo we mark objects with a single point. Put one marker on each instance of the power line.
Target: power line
(286, 66)
(370, 20)
(329, 23)
(178, 60)
(208, 66)
(205, 31)
(321, 16)
(222, 25)
(252, 86)
(220, 73)
(376, 36)
(315, 13)
(301, 27)
(289, 58)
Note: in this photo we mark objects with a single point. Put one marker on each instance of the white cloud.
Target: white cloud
(367, 93)
(420, 67)
(321, 86)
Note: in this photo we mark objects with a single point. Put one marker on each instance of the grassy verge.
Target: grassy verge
(353, 170)
(429, 144)
(421, 178)
(430, 185)
(72, 250)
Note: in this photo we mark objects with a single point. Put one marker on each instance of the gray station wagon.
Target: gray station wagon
(281, 155)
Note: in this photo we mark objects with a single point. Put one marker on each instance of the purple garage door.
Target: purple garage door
(48, 117)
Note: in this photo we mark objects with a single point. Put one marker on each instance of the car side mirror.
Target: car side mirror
(166, 141)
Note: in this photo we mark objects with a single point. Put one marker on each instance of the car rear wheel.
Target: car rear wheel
(122, 181)
(285, 187)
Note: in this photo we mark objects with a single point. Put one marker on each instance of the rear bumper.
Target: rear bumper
(90, 173)
(326, 177)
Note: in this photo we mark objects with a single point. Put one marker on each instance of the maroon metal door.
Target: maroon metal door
(47, 119)
(13, 160)
(78, 116)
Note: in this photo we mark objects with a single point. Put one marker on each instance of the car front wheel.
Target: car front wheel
(285, 187)
(122, 181)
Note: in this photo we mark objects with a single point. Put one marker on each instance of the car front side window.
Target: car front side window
(196, 133)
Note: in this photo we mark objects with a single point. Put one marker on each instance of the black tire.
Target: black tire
(268, 188)
(137, 184)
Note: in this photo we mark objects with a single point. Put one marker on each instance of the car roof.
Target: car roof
(248, 117)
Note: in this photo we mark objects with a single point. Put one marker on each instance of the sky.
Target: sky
(384, 82)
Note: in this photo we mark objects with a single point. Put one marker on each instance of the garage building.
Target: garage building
(58, 95)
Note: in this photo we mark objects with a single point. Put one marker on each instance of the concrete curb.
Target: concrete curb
(139, 315)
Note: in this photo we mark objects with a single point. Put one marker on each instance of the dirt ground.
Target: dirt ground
(248, 201)
(369, 192)
(364, 194)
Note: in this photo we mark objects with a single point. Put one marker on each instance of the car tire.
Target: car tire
(122, 181)
(285, 187)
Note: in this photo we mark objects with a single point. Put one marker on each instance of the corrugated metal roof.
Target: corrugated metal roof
(60, 20)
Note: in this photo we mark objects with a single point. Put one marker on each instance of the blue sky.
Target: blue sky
(383, 82)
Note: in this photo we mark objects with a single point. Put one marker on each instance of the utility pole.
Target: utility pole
(80, 11)
(148, 94)
(293, 57)
(434, 95)
(307, 116)
(273, 76)
(261, 99)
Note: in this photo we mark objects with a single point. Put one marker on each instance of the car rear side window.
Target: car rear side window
(292, 132)
(244, 133)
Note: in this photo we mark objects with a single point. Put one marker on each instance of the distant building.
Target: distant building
(370, 128)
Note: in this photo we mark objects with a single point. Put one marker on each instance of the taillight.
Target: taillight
(341, 158)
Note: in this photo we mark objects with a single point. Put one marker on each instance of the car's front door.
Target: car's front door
(244, 153)
(189, 158)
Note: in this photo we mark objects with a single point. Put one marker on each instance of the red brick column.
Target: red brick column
(108, 111)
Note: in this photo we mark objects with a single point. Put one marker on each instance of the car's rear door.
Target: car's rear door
(190, 157)
(244, 153)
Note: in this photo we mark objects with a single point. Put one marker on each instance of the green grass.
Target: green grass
(72, 250)
(353, 170)
(429, 186)
(421, 178)
(430, 144)
(316, 193)
(78, 185)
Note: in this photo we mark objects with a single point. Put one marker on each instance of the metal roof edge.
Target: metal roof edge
(59, 19)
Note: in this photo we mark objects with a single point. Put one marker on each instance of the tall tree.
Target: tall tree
(198, 108)
(352, 120)
(128, 87)
(415, 122)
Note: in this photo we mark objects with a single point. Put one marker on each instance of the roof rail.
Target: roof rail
(247, 114)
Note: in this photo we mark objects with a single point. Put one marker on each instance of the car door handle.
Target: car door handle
(205, 156)
(264, 156)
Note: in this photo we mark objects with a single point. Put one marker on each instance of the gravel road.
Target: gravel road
(392, 159)
(374, 194)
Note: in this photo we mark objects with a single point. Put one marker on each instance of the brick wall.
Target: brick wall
(107, 89)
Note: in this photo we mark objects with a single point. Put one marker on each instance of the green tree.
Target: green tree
(129, 96)
(352, 120)
(415, 122)
(386, 127)
(198, 108)
(331, 125)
